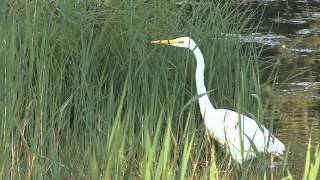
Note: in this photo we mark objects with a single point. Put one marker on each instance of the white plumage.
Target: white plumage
(229, 128)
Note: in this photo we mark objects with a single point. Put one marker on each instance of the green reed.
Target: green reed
(84, 95)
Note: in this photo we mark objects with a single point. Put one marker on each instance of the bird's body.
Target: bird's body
(241, 135)
(224, 126)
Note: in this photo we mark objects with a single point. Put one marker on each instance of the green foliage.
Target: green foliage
(311, 170)
(83, 93)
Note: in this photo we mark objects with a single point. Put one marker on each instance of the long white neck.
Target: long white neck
(204, 102)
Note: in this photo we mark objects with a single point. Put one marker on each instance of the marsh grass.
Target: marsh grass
(84, 95)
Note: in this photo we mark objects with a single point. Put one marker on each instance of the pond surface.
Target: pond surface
(290, 33)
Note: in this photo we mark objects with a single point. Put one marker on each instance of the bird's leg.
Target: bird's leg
(208, 136)
(271, 170)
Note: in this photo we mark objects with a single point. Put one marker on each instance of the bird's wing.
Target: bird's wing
(214, 121)
(225, 127)
(254, 137)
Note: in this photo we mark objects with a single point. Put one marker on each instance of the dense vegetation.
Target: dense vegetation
(83, 93)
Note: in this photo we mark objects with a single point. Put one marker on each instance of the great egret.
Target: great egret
(241, 135)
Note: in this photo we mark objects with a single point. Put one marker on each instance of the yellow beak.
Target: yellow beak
(165, 42)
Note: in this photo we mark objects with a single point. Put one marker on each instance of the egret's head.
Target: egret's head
(184, 42)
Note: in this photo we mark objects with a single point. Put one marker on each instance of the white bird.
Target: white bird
(241, 135)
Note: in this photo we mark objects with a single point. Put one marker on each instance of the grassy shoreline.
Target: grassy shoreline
(86, 96)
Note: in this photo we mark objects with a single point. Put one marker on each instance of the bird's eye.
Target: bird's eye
(180, 42)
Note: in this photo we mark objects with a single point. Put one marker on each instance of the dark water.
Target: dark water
(290, 33)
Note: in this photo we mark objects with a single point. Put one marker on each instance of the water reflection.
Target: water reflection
(297, 112)
(297, 98)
